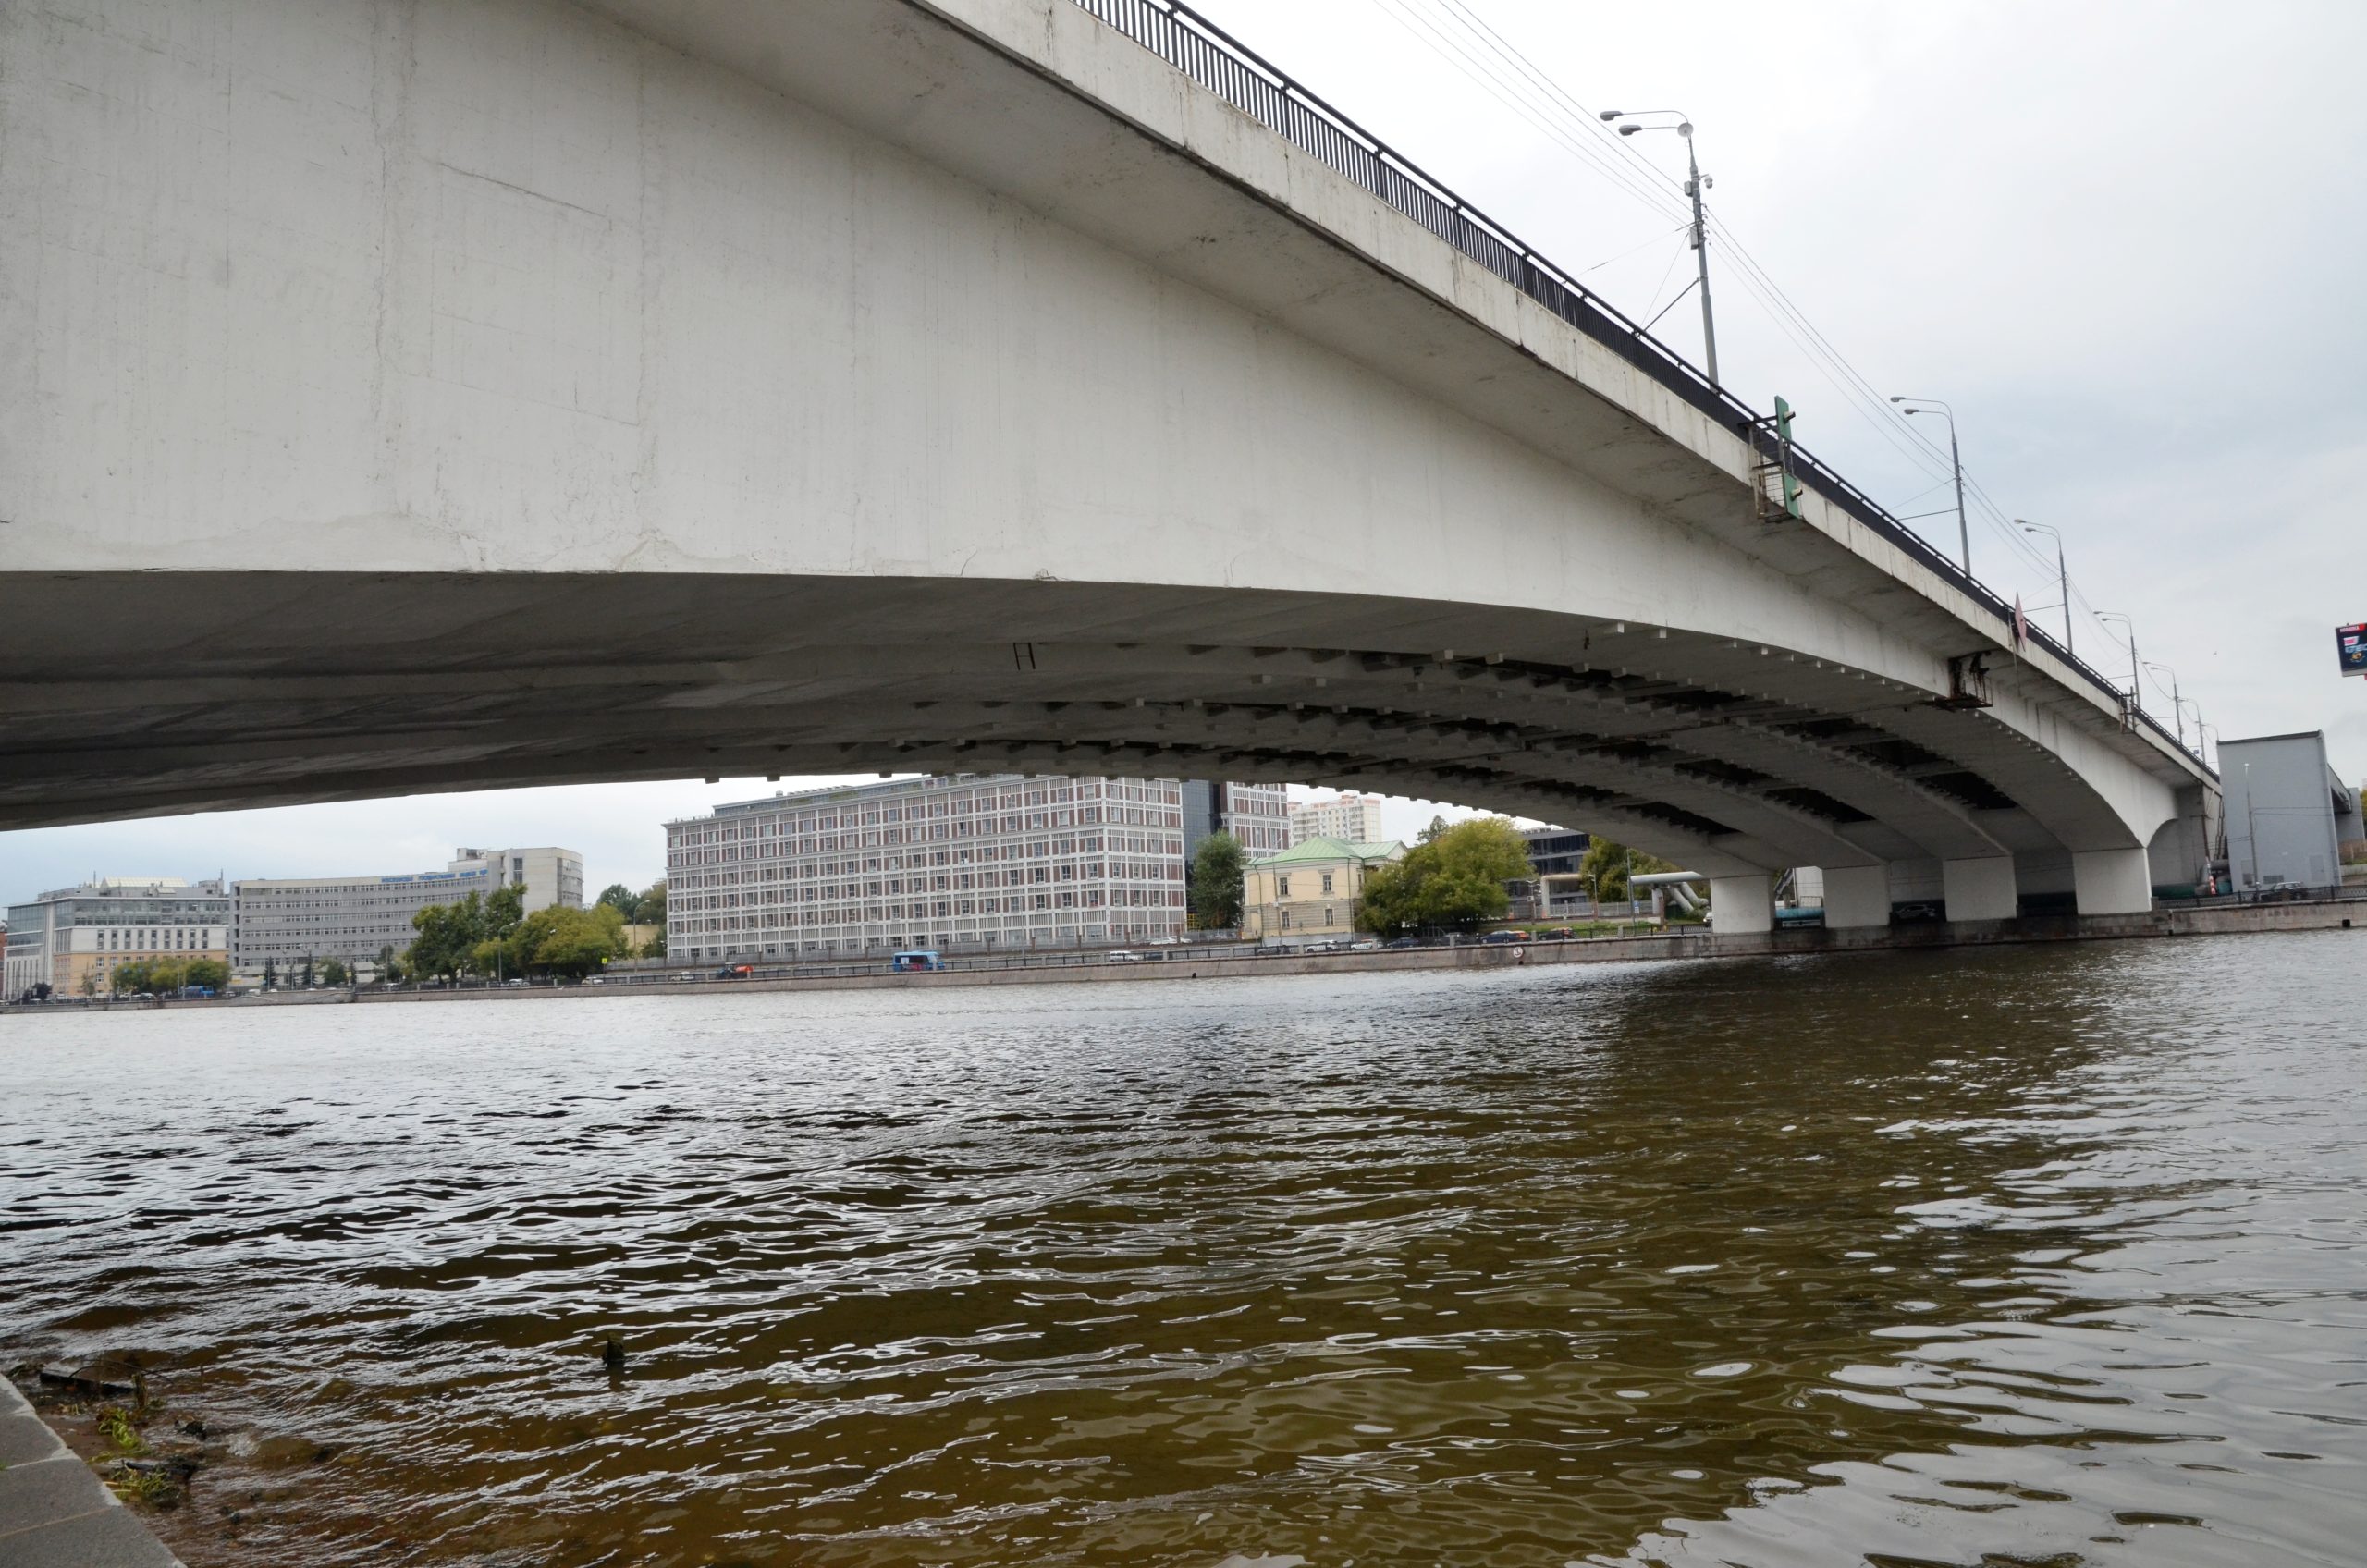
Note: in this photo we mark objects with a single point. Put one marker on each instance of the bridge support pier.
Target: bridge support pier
(2112, 881)
(1745, 905)
(1856, 896)
(1979, 889)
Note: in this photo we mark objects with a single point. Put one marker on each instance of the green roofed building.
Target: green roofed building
(1308, 893)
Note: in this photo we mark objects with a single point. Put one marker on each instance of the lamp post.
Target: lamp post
(1955, 460)
(2205, 738)
(2135, 703)
(2062, 577)
(2177, 704)
(1694, 185)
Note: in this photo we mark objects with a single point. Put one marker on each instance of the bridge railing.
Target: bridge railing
(1224, 66)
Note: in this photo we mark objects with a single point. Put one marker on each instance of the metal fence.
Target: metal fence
(1219, 63)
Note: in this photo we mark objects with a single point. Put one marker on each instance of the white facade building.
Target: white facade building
(73, 940)
(551, 876)
(1352, 820)
(288, 920)
(971, 861)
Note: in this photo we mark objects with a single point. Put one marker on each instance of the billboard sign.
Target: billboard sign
(2350, 642)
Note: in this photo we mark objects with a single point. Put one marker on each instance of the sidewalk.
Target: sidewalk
(53, 1511)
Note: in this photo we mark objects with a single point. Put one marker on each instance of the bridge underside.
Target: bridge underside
(1737, 760)
(421, 397)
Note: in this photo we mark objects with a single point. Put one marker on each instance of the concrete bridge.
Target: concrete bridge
(410, 395)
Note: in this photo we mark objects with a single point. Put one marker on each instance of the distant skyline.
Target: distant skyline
(2113, 236)
(619, 827)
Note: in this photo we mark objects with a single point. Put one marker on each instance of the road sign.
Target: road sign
(2351, 642)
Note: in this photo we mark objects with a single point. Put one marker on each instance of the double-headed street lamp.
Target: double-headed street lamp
(2135, 702)
(2177, 704)
(1955, 460)
(1631, 122)
(2062, 577)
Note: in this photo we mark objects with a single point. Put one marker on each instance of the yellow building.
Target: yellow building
(1308, 893)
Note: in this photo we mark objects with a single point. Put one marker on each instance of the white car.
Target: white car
(1122, 956)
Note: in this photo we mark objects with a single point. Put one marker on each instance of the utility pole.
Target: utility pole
(2135, 703)
(1956, 461)
(2062, 575)
(1700, 253)
(1694, 185)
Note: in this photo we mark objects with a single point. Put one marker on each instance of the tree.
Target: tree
(653, 912)
(1607, 865)
(572, 942)
(623, 900)
(270, 974)
(334, 972)
(90, 982)
(306, 984)
(1214, 884)
(447, 932)
(210, 972)
(1455, 879)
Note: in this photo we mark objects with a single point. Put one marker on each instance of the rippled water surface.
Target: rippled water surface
(2019, 1256)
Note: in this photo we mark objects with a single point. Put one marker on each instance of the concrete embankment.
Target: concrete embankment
(1181, 963)
(53, 1511)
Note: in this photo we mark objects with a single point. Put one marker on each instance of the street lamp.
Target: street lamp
(2206, 738)
(2062, 577)
(2178, 715)
(1932, 406)
(1694, 185)
(2136, 702)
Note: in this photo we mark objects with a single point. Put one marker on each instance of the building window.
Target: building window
(1327, 886)
(1282, 887)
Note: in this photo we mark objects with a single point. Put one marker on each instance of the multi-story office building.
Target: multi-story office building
(286, 920)
(74, 939)
(550, 875)
(1308, 892)
(1257, 815)
(1352, 819)
(973, 861)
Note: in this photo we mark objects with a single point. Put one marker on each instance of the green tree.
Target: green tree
(334, 972)
(390, 968)
(1607, 865)
(1455, 879)
(306, 984)
(653, 912)
(447, 937)
(623, 900)
(211, 973)
(1214, 884)
(572, 942)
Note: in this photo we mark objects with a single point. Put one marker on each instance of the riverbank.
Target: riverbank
(1181, 963)
(54, 1512)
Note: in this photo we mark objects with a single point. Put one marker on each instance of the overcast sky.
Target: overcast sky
(2122, 239)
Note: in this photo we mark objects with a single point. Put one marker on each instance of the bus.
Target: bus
(916, 960)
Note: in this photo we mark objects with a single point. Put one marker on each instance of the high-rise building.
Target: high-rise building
(1257, 815)
(1354, 819)
(286, 920)
(973, 861)
(73, 940)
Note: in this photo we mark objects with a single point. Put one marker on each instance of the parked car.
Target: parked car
(1121, 955)
(735, 972)
(1558, 934)
(1403, 942)
(1365, 945)
(1501, 938)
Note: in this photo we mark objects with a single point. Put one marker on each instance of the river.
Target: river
(2025, 1256)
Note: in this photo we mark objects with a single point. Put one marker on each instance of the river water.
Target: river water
(2037, 1255)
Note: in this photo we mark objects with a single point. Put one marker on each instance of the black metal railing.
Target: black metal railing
(1219, 63)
